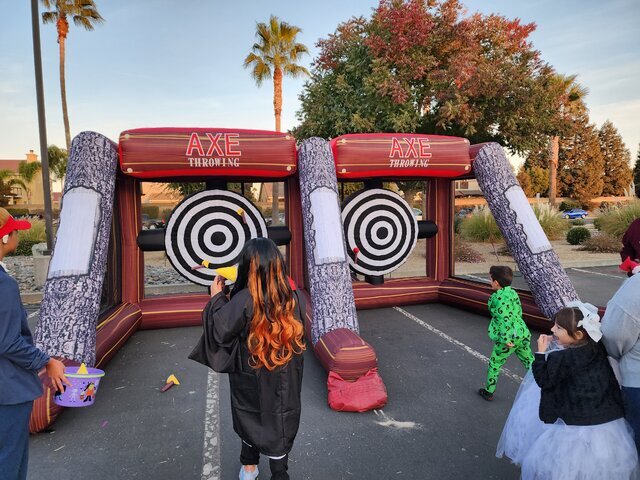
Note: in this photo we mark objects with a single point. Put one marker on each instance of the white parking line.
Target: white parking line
(33, 314)
(211, 448)
(619, 277)
(455, 342)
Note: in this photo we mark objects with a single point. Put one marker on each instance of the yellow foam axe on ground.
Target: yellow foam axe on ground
(171, 381)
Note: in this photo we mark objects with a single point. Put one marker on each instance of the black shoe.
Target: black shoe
(488, 396)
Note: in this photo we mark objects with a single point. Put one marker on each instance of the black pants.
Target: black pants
(251, 456)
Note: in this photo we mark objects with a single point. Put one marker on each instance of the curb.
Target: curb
(473, 268)
(149, 291)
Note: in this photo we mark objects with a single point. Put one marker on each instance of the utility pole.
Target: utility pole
(37, 60)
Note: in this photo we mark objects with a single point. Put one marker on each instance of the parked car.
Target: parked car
(575, 213)
(465, 212)
(149, 223)
(417, 213)
(269, 220)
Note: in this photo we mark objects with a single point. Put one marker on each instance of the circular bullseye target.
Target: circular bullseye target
(380, 229)
(210, 226)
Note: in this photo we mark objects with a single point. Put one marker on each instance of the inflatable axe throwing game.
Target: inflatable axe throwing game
(341, 251)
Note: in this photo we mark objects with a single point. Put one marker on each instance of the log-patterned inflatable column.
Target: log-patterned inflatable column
(538, 263)
(334, 325)
(71, 300)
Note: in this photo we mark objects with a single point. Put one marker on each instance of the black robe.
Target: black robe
(265, 405)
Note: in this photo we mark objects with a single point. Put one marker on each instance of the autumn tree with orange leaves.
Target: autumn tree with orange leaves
(426, 67)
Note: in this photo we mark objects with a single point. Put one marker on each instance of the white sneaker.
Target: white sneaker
(244, 475)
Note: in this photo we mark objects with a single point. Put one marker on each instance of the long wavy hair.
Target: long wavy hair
(274, 334)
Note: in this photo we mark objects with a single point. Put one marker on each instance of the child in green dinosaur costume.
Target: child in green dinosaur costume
(507, 329)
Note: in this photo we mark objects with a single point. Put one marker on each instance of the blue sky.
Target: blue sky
(171, 63)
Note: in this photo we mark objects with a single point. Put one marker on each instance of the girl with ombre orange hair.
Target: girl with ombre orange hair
(264, 315)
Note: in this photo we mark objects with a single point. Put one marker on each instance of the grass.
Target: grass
(480, 226)
(35, 234)
(616, 220)
(552, 223)
(28, 238)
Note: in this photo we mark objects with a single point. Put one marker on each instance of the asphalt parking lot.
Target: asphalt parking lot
(432, 359)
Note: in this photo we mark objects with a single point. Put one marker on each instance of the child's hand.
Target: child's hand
(543, 342)
(55, 371)
(510, 345)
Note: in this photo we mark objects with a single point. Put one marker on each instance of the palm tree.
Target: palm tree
(7, 181)
(84, 13)
(274, 55)
(58, 161)
(571, 96)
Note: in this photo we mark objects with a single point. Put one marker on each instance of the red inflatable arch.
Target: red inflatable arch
(168, 155)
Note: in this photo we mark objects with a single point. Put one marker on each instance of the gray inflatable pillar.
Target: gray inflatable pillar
(532, 251)
(327, 263)
(71, 301)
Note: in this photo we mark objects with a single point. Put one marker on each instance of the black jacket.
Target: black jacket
(578, 386)
(265, 405)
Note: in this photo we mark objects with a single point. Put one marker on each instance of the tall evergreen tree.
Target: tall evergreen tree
(581, 163)
(570, 95)
(617, 161)
(525, 181)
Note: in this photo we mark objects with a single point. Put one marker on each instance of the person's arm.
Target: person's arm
(224, 319)
(13, 345)
(550, 371)
(628, 249)
(620, 331)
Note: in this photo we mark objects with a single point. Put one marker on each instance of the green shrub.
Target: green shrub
(36, 233)
(550, 220)
(18, 212)
(597, 223)
(602, 243)
(151, 210)
(463, 252)
(568, 205)
(615, 221)
(577, 235)
(480, 226)
(457, 221)
(24, 248)
(577, 222)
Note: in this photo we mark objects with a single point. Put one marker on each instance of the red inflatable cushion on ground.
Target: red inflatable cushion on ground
(366, 393)
(343, 352)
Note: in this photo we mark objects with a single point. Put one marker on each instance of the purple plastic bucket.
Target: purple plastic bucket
(83, 389)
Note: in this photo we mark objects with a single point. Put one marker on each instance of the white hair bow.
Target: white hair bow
(591, 320)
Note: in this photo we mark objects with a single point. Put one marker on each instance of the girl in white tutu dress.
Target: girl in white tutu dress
(567, 421)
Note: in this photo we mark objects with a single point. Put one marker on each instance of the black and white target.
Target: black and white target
(380, 226)
(212, 225)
